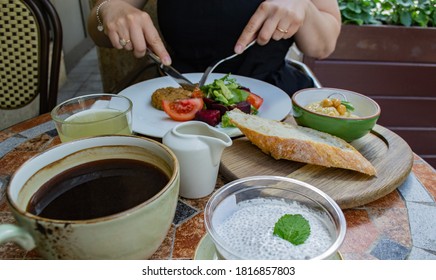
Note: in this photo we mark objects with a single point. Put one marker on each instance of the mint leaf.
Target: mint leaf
(293, 228)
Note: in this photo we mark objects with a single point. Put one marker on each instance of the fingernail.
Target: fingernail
(239, 48)
(166, 60)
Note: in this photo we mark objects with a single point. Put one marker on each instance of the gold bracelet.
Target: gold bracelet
(100, 26)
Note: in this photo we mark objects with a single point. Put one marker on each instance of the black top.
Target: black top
(200, 32)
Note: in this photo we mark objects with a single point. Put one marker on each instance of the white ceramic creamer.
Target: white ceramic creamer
(198, 147)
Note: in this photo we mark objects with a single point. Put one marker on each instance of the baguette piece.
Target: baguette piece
(302, 144)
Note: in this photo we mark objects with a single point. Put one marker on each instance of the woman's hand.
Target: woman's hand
(315, 24)
(128, 27)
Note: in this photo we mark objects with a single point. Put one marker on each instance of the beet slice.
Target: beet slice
(244, 106)
(211, 117)
(220, 107)
(209, 102)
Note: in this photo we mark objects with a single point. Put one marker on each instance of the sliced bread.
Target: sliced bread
(302, 144)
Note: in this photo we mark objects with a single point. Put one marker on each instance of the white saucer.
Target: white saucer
(206, 250)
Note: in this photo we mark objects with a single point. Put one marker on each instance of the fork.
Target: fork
(214, 65)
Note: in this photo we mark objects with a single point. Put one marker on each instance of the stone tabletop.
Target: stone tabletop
(401, 225)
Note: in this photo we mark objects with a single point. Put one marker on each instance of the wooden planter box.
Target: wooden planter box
(396, 66)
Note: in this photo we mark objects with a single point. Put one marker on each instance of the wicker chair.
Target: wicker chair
(30, 56)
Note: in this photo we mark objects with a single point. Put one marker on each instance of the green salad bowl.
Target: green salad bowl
(367, 112)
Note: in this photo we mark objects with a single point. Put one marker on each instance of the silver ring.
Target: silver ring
(282, 30)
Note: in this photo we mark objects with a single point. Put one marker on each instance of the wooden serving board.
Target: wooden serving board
(389, 153)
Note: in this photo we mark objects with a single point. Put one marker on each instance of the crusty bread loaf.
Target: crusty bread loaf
(302, 144)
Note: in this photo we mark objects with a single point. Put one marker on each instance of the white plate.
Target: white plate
(155, 123)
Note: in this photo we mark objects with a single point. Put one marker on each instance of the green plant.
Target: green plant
(392, 12)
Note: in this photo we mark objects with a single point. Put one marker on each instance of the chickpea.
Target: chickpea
(336, 102)
(326, 103)
(341, 109)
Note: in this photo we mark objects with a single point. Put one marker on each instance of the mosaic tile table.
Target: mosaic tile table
(401, 225)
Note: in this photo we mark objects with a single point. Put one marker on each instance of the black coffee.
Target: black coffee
(97, 189)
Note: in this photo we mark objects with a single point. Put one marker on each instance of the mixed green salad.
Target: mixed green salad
(211, 102)
(225, 94)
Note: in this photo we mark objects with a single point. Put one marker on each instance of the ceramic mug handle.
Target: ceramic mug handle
(16, 234)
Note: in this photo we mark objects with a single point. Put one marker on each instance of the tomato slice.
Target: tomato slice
(197, 93)
(182, 109)
(255, 100)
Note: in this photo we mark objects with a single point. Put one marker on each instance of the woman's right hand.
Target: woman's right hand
(128, 27)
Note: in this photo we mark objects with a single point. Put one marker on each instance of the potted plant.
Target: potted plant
(387, 50)
(400, 12)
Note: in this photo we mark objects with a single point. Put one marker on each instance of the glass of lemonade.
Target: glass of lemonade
(92, 115)
(241, 218)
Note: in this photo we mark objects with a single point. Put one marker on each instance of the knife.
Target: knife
(173, 73)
